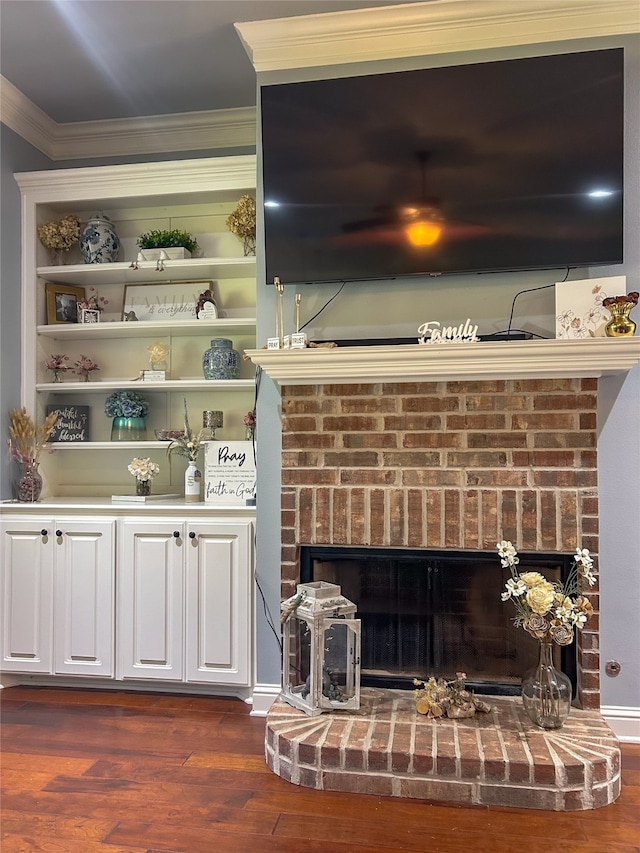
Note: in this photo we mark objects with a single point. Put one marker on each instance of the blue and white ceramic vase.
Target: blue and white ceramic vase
(99, 242)
(221, 361)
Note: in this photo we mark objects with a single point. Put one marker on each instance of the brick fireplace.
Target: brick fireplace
(444, 465)
(446, 448)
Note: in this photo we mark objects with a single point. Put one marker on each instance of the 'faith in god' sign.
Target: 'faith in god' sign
(229, 473)
(432, 332)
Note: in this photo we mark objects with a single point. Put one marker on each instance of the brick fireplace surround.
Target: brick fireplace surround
(459, 465)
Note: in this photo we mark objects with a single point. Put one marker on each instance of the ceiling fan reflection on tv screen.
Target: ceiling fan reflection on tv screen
(514, 164)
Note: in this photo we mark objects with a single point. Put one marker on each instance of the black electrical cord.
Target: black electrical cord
(509, 330)
(265, 606)
(326, 304)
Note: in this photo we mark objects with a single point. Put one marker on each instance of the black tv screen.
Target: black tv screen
(507, 165)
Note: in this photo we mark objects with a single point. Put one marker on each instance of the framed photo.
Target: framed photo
(164, 303)
(62, 302)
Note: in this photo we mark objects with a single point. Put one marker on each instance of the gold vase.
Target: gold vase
(620, 325)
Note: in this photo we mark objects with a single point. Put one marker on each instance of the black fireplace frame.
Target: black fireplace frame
(536, 559)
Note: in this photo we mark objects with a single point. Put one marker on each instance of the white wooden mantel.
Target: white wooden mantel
(537, 359)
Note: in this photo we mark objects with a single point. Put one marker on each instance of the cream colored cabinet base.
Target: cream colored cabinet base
(58, 595)
(150, 599)
(184, 601)
(218, 602)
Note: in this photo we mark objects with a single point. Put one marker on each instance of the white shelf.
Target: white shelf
(108, 445)
(167, 385)
(195, 195)
(145, 329)
(121, 272)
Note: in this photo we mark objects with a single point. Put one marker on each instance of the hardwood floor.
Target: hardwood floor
(87, 771)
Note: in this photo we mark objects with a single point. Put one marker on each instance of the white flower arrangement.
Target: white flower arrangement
(548, 611)
(143, 469)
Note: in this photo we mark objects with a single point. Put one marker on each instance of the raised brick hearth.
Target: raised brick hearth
(498, 758)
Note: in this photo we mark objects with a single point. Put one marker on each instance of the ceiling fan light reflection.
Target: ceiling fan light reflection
(423, 233)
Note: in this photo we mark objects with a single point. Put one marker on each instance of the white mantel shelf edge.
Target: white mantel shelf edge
(537, 359)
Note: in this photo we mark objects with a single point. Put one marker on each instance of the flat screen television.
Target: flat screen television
(505, 165)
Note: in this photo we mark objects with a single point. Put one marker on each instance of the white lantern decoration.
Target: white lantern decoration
(320, 650)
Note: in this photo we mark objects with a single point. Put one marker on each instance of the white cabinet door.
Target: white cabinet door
(27, 594)
(218, 609)
(150, 600)
(84, 596)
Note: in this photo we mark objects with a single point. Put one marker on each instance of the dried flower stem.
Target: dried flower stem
(26, 440)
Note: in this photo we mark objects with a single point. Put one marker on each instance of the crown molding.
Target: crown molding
(420, 29)
(25, 119)
(192, 131)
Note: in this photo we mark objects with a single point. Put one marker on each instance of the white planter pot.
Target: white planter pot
(174, 253)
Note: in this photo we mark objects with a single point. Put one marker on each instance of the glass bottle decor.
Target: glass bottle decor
(99, 242)
(620, 325)
(221, 361)
(129, 429)
(546, 691)
(192, 478)
(143, 487)
(29, 483)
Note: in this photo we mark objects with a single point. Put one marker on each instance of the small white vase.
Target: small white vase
(192, 478)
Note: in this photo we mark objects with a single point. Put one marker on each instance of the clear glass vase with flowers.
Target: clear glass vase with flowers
(58, 364)
(144, 470)
(249, 422)
(551, 613)
(84, 367)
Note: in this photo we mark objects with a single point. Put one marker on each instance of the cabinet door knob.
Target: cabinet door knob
(176, 534)
(58, 532)
(192, 535)
(44, 531)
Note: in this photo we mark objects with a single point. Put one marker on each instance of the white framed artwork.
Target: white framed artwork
(164, 302)
(579, 309)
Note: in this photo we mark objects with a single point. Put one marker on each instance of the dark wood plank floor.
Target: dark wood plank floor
(87, 771)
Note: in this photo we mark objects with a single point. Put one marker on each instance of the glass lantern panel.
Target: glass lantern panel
(339, 649)
(299, 657)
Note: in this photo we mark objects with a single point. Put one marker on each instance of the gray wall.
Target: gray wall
(17, 156)
(369, 310)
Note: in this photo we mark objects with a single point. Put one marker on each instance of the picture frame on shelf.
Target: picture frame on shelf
(62, 303)
(88, 315)
(164, 303)
(72, 423)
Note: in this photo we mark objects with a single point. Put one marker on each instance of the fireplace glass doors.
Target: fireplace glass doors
(436, 613)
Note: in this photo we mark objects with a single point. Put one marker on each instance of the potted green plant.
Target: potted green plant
(175, 243)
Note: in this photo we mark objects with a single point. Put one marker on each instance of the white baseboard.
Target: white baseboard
(624, 721)
(264, 695)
